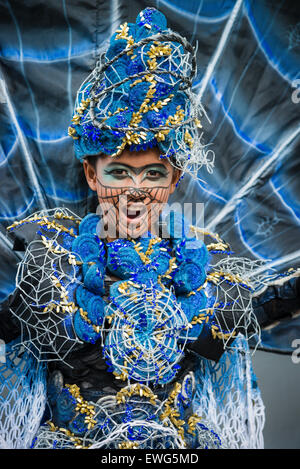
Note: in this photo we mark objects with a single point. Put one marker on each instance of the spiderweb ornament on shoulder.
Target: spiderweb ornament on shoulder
(46, 280)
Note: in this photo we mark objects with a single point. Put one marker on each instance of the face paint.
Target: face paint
(119, 175)
(131, 211)
(132, 190)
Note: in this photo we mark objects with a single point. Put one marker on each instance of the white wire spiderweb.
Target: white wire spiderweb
(147, 335)
(136, 421)
(231, 285)
(22, 397)
(44, 279)
(227, 396)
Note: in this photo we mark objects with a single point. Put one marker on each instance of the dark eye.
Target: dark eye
(154, 174)
(119, 172)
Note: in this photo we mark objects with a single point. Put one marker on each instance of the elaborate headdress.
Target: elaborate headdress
(139, 96)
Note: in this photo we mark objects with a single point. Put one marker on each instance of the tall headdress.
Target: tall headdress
(139, 96)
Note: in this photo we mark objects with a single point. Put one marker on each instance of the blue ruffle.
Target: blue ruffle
(191, 249)
(135, 66)
(188, 277)
(64, 407)
(152, 17)
(84, 330)
(188, 389)
(146, 325)
(122, 259)
(89, 224)
(94, 279)
(86, 247)
(93, 304)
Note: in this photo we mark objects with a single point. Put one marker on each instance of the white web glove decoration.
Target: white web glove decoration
(46, 279)
(230, 286)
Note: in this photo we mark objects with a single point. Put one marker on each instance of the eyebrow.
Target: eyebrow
(141, 168)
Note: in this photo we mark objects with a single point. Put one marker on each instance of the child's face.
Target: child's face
(132, 190)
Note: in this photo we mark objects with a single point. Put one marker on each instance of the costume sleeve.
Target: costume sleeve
(207, 346)
(278, 301)
(273, 307)
(9, 327)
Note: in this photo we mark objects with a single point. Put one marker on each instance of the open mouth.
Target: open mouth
(134, 212)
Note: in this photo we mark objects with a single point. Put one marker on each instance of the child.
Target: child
(127, 313)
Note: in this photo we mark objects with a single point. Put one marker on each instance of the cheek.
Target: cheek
(160, 195)
(159, 199)
(108, 196)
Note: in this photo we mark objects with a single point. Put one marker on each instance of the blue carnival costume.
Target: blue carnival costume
(158, 359)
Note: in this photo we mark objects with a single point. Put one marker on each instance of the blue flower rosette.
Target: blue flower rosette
(124, 260)
(90, 251)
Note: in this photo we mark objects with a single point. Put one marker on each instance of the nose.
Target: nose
(135, 193)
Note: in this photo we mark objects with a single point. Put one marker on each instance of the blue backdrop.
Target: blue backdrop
(248, 80)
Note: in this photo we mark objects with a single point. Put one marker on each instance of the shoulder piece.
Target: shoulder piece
(229, 286)
(46, 282)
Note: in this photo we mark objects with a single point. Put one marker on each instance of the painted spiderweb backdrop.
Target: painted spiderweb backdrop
(248, 75)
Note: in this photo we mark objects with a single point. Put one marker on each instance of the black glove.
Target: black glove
(278, 301)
